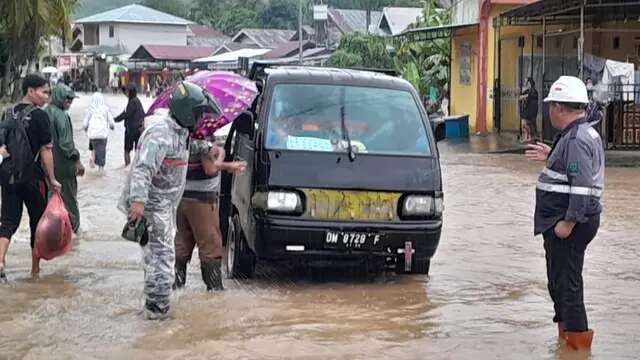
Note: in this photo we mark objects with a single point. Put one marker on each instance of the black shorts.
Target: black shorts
(33, 194)
(131, 140)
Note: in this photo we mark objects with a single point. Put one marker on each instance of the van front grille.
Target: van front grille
(351, 205)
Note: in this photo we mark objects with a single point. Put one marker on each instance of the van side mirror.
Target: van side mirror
(439, 130)
(244, 124)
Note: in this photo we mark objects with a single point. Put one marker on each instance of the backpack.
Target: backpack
(19, 167)
(98, 126)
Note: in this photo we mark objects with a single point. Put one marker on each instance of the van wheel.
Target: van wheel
(418, 266)
(239, 259)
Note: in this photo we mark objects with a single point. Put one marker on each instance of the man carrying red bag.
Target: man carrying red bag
(25, 132)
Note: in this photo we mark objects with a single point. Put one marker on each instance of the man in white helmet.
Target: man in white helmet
(568, 204)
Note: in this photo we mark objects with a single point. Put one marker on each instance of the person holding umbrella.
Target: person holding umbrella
(133, 117)
(198, 207)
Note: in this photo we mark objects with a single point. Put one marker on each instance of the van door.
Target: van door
(243, 184)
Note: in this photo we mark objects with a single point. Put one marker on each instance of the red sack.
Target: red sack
(53, 234)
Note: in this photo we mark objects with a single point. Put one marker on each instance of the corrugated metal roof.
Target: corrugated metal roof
(103, 49)
(136, 14)
(287, 49)
(265, 38)
(233, 55)
(348, 20)
(207, 41)
(204, 36)
(398, 19)
(170, 53)
(231, 46)
(568, 11)
(204, 31)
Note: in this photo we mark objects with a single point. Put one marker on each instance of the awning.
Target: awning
(169, 53)
(428, 33)
(563, 11)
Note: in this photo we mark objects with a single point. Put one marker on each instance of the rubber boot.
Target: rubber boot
(181, 272)
(3, 276)
(561, 333)
(211, 274)
(579, 340)
(152, 312)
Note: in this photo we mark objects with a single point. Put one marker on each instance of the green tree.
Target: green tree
(178, 8)
(228, 16)
(279, 14)
(426, 64)
(362, 50)
(24, 24)
(236, 19)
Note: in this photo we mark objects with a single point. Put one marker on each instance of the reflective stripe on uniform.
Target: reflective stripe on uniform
(566, 189)
(554, 175)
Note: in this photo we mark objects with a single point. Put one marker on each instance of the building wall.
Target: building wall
(90, 35)
(131, 36)
(463, 95)
(600, 42)
(510, 117)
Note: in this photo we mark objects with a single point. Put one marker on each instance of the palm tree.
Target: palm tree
(23, 25)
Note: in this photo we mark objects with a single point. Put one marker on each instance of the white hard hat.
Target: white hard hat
(568, 89)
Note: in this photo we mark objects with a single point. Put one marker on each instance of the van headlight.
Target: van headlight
(284, 201)
(439, 206)
(418, 205)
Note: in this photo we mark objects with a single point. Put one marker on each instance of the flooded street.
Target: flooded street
(486, 297)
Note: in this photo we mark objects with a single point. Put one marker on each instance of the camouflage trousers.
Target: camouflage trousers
(159, 259)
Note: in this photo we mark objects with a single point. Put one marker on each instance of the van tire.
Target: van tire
(239, 260)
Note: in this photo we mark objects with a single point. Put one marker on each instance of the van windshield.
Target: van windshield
(326, 118)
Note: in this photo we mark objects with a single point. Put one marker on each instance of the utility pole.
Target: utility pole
(368, 12)
(300, 30)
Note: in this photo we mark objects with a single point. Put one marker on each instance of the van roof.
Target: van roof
(335, 76)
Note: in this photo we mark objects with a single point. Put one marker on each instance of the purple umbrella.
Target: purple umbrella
(231, 91)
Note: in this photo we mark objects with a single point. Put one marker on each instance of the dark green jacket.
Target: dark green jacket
(65, 153)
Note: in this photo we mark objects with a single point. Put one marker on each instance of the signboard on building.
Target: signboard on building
(66, 63)
(465, 55)
(320, 12)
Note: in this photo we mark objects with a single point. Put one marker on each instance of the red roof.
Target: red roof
(171, 52)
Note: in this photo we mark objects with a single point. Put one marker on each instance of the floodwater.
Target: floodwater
(486, 296)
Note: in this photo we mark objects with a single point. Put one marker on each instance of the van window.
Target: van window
(377, 121)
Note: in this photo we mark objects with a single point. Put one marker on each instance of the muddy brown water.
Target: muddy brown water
(486, 297)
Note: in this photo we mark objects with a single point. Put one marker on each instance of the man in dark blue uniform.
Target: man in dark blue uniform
(568, 204)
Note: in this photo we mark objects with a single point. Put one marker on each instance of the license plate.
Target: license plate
(352, 240)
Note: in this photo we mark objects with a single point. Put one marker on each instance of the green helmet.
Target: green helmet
(188, 102)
